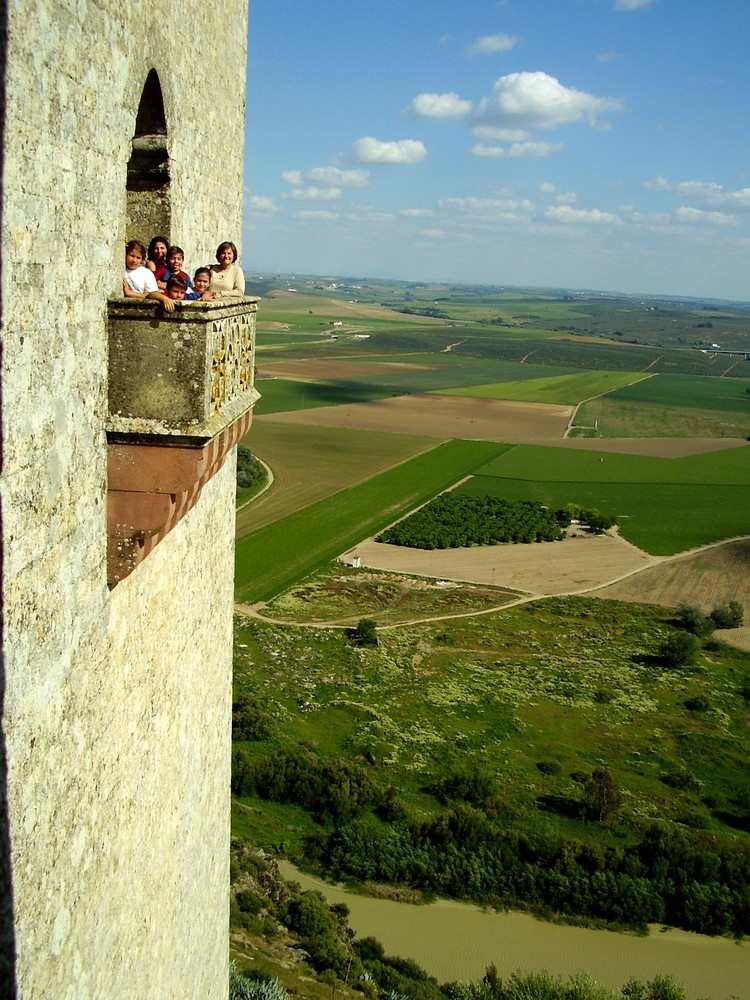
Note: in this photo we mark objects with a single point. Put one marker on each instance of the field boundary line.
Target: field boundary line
(599, 395)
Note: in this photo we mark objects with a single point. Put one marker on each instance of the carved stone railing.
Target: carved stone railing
(180, 397)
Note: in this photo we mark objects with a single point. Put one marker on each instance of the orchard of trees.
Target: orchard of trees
(454, 520)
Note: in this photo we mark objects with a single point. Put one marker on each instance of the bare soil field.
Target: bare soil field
(444, 417)
(705, 578)
(581, 562)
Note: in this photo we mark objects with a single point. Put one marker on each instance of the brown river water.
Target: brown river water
(457, 941)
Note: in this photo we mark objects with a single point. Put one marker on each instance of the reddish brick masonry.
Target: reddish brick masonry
(151, 487)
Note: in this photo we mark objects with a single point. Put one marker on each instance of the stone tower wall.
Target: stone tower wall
(116, 713)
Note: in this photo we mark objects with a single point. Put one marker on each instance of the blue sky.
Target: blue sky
(601, 144)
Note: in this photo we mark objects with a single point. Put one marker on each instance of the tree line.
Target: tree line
(687, 879)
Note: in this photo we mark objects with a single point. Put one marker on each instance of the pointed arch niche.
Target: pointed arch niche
(148, 184)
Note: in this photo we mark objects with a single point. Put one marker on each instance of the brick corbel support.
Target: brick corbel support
(150, 488)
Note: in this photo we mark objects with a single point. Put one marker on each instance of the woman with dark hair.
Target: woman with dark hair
(227, 277)
(156, 258)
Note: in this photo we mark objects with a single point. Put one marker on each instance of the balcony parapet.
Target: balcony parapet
(181, 394)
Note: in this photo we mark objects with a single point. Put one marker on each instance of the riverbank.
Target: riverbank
(457, 941)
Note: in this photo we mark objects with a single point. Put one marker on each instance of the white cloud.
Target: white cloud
(483, 206)
(258, 204)
(328, 177)
(697, 215)
(438, 106)
(313, 193)
(312, 215)
(433, 234)
(706, 192)
(489, 45)
(547, 187)
(415, 213)
(539, 101)
(369, 150)
(518, 150)
(488, 133)
(336, 177)
(632, 4)
(569, 198)
(564, 213)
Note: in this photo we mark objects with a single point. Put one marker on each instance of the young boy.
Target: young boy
(201, 281)
(175, 260)
(176, 288)
(139, 282)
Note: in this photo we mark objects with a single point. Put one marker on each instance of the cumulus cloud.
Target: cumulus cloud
(706, 192)
(369, 150)
(311, 215)
(489, 45)
(564, 213)
(336, 177)
(313, 193)
(489, 133)
(547, 187)
(260, 204)
(697, 215)
(483, 206)
(438, 106)
(328, 176)
(415, 213)
(518, 150)
(539, 101)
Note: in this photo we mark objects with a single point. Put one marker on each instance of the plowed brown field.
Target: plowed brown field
(579, 563)
(443, 417)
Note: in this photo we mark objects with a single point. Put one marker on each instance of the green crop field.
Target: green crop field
(270, 560)
(729, 395)
(730, 467)
(609, 418)
(311, 463)
(281, 395)
(663, 506)
(568, 390)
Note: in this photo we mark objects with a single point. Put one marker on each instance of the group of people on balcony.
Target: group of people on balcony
(157, 273)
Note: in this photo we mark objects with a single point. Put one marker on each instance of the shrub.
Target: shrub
(365, 634)
(254, 989)
(692, 619)
(548, 767)
(730, 615)
(699, 703)
(678, 649)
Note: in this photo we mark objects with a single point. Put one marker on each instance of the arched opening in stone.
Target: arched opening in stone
(148, 185)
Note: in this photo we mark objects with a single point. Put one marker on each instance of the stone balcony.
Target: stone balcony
(180, 397)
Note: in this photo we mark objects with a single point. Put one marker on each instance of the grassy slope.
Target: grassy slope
(565, 680)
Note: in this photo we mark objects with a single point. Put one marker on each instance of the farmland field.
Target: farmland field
(566, 389)
(271, 559)
(311, 463)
